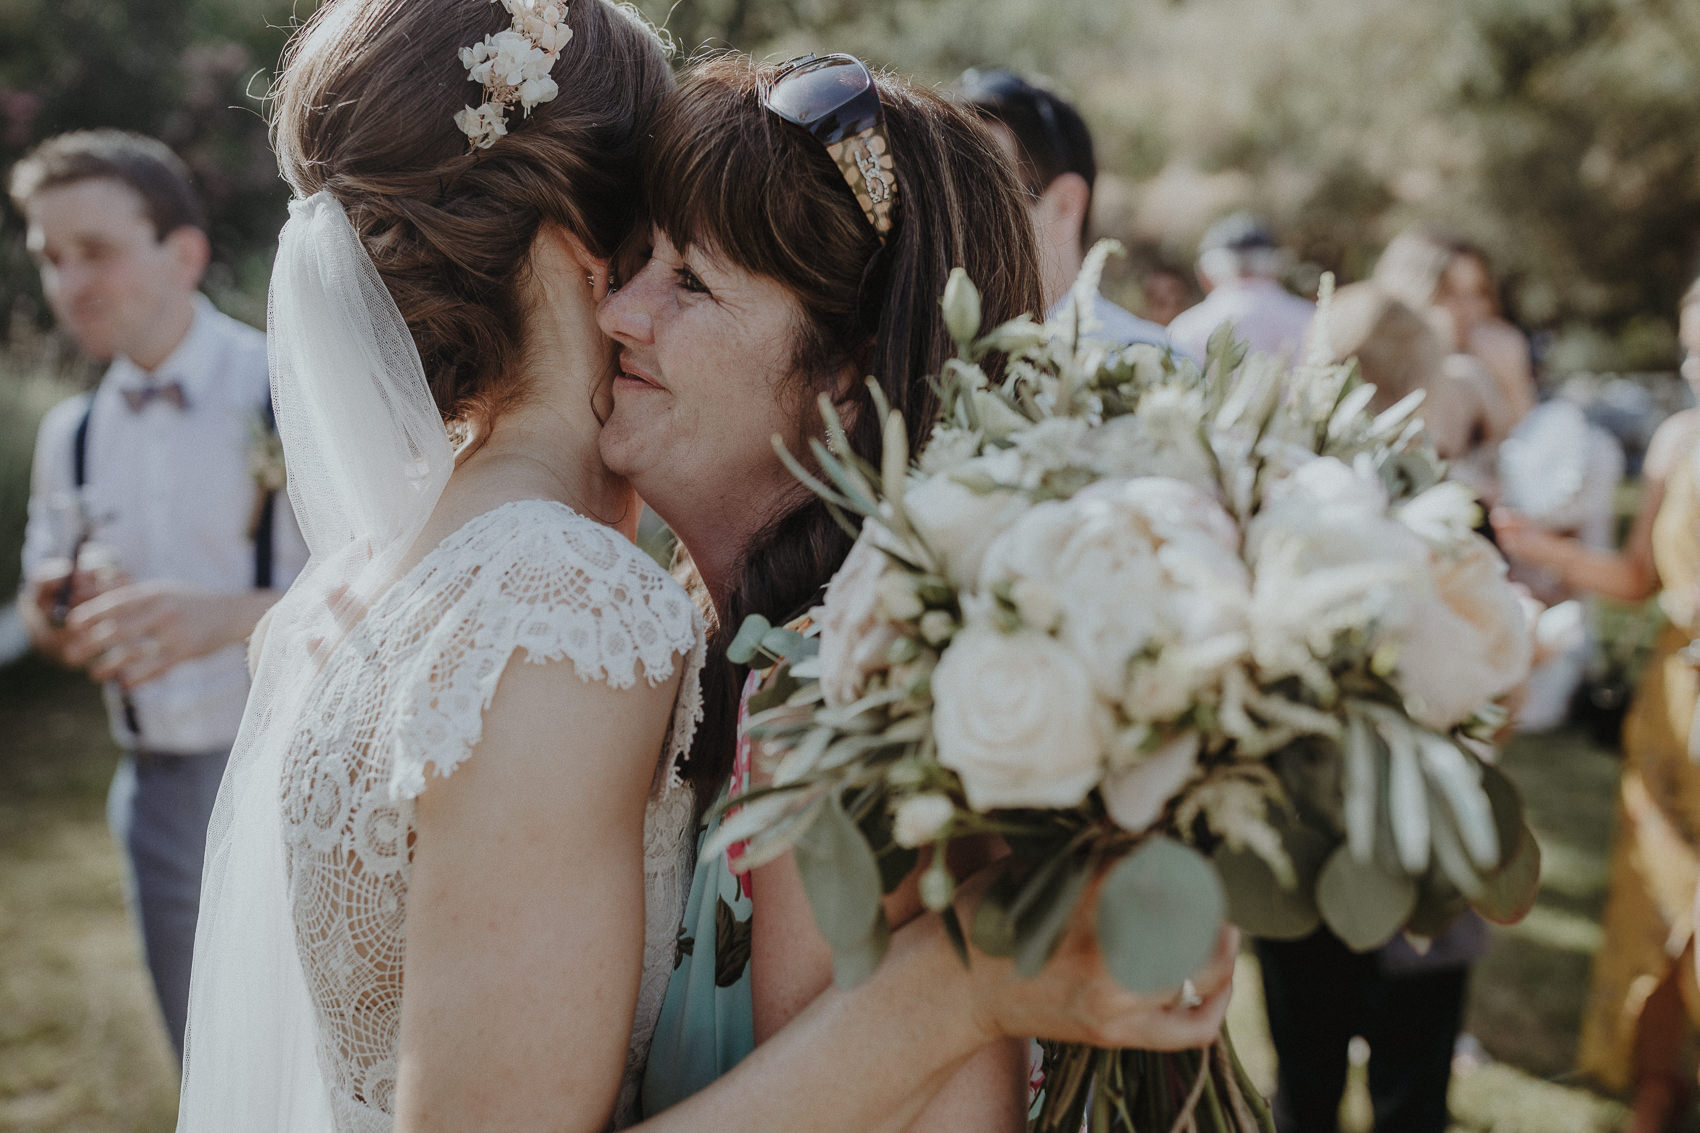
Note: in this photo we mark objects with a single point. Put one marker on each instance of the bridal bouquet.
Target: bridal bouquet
(1220, 635)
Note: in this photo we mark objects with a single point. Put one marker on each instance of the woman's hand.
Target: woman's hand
(1074, 998)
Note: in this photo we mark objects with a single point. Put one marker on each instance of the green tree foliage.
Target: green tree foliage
(1561, 134)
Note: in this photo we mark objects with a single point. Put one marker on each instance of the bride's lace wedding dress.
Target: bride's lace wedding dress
(399, 704)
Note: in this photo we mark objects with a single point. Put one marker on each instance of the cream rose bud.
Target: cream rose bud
(897, 597)
(919, 819)
(1135, 795)
(958, 523)
(1466, 642)
(854, 635)
(1015, 716)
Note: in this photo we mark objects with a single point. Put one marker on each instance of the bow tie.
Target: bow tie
(171, 393)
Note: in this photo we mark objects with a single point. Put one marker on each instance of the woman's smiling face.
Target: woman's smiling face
(704, 385)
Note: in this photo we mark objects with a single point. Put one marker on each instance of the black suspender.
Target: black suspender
(263, 536)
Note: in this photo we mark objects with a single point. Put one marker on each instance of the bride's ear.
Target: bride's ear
(558, 254)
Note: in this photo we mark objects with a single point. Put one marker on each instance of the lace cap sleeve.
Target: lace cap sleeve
(535, 578)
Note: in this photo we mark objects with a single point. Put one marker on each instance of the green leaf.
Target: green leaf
(782, 643)
(1507, 806)
(775, 690)
(748, 639)
(994, 928)
(1260, 904)
(1041, 926)
(1159, 912)
(1509, 892)
(953, 933)
(842, 879)
(1362, 903)
(855, 963)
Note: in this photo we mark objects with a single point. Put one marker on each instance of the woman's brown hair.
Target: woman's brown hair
(725, 174)
(364, 108)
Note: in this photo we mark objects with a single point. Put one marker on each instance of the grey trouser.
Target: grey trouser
(158, 809)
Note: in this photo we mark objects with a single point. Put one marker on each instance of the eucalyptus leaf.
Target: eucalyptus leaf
(747, 640)
(1359, 782)
(1407, 799)
(1160, 910)
(1507, 811)
(852, 964)
(1510, 891)
(1449, 852)
(1459, 778)
(1363, 904)
(993, 928)
(1261, 905)
(782, 642)
(841, 877)
(1040, 926)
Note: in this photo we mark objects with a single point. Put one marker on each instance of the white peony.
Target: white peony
(957, 523)
(1014, 715)
(855, 633)
(1467, 640)
(1165, 437)
(1134, 567)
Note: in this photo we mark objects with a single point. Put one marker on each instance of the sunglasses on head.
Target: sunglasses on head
(833, 97)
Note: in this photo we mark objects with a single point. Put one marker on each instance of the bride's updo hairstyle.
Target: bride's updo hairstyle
(728, 175)
(364, 107)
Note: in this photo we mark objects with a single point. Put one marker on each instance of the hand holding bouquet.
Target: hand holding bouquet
(1219, 635)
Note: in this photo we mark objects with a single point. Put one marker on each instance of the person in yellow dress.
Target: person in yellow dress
(1643, 1009)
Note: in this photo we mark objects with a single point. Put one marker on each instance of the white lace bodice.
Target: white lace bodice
(400, 701)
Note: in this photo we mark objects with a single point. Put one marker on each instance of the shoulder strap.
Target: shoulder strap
(264, 533)
(80, 448)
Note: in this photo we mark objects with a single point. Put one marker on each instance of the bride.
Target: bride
(446, 869)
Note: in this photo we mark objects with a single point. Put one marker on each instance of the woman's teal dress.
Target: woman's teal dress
(707, 1022)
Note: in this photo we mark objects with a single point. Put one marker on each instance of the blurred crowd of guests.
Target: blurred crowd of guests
(1429, 319)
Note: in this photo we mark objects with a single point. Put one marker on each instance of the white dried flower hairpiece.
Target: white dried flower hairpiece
(514, 67)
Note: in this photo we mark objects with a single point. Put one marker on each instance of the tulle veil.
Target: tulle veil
(367, 458)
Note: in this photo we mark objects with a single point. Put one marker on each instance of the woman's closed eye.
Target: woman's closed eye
(690, 281)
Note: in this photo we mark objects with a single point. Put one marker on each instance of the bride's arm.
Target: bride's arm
(526, 907)
(791, 964)
(869, 1058)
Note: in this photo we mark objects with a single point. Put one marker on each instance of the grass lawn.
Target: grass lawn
(81, 1049)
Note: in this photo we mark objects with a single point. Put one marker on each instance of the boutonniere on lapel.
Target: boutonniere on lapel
(265, 465)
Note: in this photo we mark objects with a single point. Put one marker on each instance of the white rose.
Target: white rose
(1467, 640)
(1135, 566)
(1014, 715)
(957, 523)
(1135, 795)
(854, 635)
(920, 818)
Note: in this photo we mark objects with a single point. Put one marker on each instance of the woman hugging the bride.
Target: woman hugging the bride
(448, 865)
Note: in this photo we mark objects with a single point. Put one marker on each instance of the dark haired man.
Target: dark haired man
(1051, 147)
(156, 537)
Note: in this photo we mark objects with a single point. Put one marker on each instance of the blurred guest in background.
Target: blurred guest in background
(1407, 1003)
(1167, 294)
(1240, 267)
(157, 532)
(1433, 270)
(1051, 147)
(1643, 1006)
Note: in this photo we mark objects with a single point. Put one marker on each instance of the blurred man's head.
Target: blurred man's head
(1051, 147)
(119, 236)
(1239, 246)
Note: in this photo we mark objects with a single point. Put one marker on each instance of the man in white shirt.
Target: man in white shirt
(1240, 266)
(157, 536)
(1051, 147)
